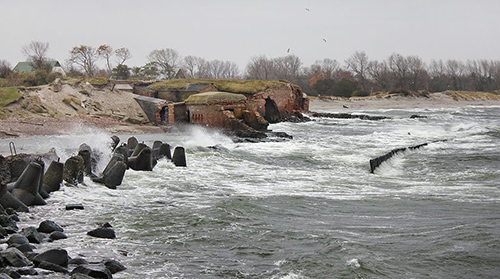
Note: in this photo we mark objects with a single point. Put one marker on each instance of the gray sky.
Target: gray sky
(237, 30)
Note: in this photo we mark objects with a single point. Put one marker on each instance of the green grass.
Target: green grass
(9, 95)
(225, 85)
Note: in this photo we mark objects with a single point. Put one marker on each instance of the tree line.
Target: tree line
(356, 76)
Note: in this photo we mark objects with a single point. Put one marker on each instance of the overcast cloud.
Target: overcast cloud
(237, 30)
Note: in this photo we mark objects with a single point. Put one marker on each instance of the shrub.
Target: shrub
(344, 88)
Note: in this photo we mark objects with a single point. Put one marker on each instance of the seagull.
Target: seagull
(288, 51)
(308, 10)
(324, 40)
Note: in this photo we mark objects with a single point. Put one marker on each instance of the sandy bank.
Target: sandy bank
(435, 100)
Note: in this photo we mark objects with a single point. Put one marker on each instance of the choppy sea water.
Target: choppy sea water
(302, 208)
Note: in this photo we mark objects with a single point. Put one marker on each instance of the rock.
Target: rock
(74, 206)
(32, 235)
(25, 248)
(53, 267)
(55, 256)
(102, 233)
(56, 235)
(113, 266)
(116, 141)
(53, 177)
(57, 85)
(13, 257)
(49, 226)
(78, 261)
(93, 270)
(80, 276)
(179, 157)
(17, 239)
(8, 222)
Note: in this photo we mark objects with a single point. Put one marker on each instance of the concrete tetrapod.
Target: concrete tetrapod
(27, 186)
(179, 157)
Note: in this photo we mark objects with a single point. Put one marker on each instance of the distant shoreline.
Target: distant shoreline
(393, 101)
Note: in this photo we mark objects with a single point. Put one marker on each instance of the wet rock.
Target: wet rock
(52, 267)
(17, 239)
(78, 261)
(113, 266)
(75, 207)
(8, 223)
(13, 257)
(103, 232)
(32, 235)
(56, 256)
(114, 176)
(80, 276)
(8, 200)
(93, 270)
(141, 159)
(56, 235)
(49, 226)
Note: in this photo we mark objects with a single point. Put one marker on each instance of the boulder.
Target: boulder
(7, 222)
(56, 235)
(32, 235)
(13, 257)
(49, 226)
(52, 267)
(93, 270)
(113, 266)
(86, 153)
(75, 206)
(103, 232)
(8, 200)
(57, 85)
(17, 239)
(56, 256)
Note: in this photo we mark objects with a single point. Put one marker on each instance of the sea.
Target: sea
(306, 207)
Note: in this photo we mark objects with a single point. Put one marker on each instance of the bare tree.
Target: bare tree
(439, 79)
(287, 67)
(328, 68)
(122, 55)
(85, 57)
(380, 75)
(167, 60)
(259, 67)
(358, 63)
(417, 73)
(5, 68)
(36, 53)
(455, 69)
(399, 68)
(196, 67)
(106, 52)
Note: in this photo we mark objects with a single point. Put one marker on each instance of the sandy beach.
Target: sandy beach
(435, 100)
(14, 127)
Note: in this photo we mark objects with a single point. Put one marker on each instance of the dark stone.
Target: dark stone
(103, 233)
(17, 239)
(85, 151)
(32, 235)
(78, 261)
(13, 257)
(116, 141)
(49, 226)
(56, 235)
(74, 207)
(80, 276)
(55, 256)
(26, 187)
(113, 266)
(143, 160)
(25, 248)
(93, 270)
(8, 222)
(53, 267)
(347, 116)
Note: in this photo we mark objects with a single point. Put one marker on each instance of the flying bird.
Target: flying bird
(324, 40)
(288, 50)
(308, 10)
